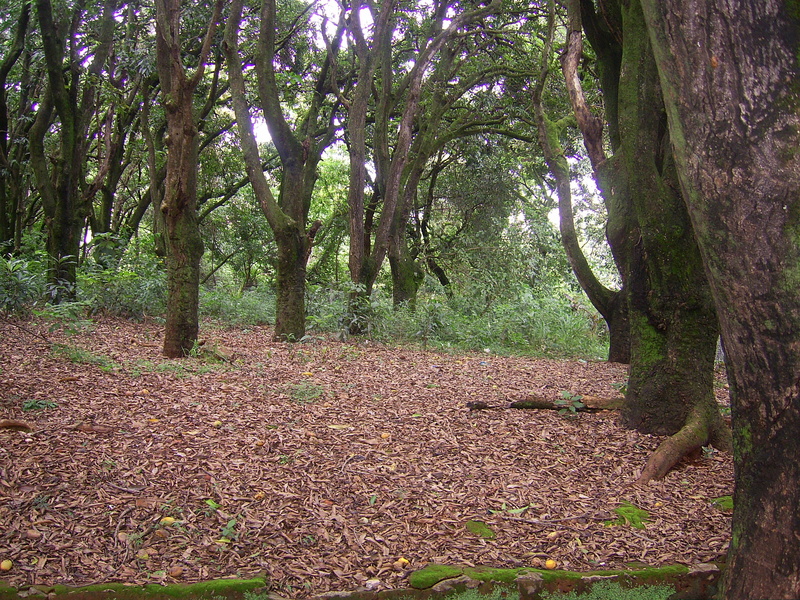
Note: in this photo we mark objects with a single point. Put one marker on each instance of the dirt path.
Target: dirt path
(319, 464)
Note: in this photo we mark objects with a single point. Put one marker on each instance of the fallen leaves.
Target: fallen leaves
(214, 469)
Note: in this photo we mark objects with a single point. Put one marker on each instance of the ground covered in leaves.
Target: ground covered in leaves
(320, 464)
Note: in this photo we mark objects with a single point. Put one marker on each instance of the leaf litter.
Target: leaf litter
(321, 465)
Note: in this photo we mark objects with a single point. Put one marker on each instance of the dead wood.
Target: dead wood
(15, 425)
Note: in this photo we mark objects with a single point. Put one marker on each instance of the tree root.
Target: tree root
(701, 428)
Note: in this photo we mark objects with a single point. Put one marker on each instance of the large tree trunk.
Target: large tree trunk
(728, 72)
(673, 323)
(290, 307)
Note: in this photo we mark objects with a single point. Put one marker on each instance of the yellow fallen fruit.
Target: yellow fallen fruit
(217, 424)
(402, 561)
(550, 564)
(6, 565)
(167, 520)
(386, 435)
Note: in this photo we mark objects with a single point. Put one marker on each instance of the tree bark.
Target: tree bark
(179, 205)
(60, 184)
(7, 204)
(673, 323)
(728, 73)
(300, 152)
(611, 304)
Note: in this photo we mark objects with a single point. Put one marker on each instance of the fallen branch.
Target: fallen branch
(592, 404)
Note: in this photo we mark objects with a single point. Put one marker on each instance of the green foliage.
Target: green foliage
(611, 590)
(630, 515)
(305, 391)
(569, 403)
(135, 286)
(22, 282)
(724, 503)
(255, 306)
(81, 356)
(29, 405)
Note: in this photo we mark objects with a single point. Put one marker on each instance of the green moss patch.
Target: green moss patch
(217, 589)
(431, 575)
(480, 529)
(630, 515)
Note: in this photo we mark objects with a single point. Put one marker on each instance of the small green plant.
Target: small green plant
(621, 387)
(723, 503)
(212, 507)
(29, 405)
(84, 357)
(480, 529)
(569, 403)
(630, 515)
(229, 531)
(306, 391)
(611, 590)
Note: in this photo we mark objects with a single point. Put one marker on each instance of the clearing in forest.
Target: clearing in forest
(321, 464)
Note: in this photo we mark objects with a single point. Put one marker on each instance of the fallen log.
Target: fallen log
(589, 404)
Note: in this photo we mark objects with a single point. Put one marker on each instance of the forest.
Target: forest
(316, 192)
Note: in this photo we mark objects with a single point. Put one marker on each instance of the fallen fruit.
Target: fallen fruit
(550, 564)
(6, 565)
(167, 520)
(385, 435)
(176, 571)
(217, 424)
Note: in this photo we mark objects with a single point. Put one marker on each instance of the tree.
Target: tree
(8, 207)
(673, 328)
(300, 152)
(611, 304)
(728, 72)
(179, 205)
(71, 95)
(398, 106)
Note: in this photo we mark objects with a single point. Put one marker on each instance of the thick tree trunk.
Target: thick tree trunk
(290, 307)
(728, 71)
(406, 275)
(673, 323)
(184, 250)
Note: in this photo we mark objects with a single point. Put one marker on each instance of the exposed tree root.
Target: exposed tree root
(701, 428)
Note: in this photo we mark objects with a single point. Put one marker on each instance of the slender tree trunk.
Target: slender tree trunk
(611, 304)
(290, 318)
(728, 72)
(179, 206)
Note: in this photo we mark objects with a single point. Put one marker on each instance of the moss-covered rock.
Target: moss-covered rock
(225, 589)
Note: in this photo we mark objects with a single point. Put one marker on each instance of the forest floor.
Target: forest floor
(320, 464)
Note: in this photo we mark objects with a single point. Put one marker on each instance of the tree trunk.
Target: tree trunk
(290, 307)
(728, 73)
(60, 185)
(406, 276)
(179, 206)
(673, 323)
(611, 304)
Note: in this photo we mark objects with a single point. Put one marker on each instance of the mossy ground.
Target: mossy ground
(218, 589)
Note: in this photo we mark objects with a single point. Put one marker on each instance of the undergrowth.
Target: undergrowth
(505, 321)
(611, 590)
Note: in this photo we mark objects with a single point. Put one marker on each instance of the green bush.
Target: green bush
(255, 306)
(22, 283)
(137, 287)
